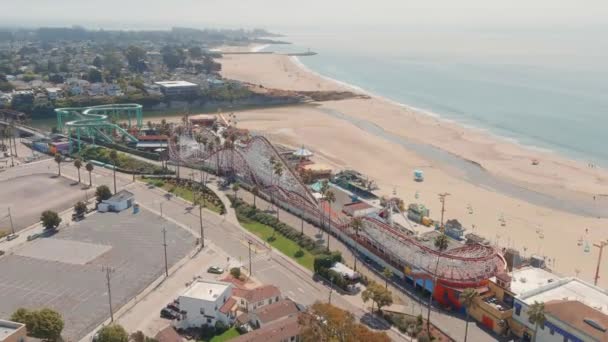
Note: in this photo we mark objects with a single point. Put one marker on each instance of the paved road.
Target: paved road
(224, 238)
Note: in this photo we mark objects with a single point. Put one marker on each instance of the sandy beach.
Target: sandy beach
(547, 207)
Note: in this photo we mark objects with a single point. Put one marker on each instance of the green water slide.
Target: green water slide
(97, 123)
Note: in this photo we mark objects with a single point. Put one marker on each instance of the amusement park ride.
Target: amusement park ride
(95, 123)
(250, 162)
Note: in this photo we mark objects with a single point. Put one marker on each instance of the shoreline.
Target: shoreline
(367, 134)
(469, 126)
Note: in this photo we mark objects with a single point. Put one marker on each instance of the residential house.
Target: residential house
(287, 329)
(267, 314)
(249, 300)
(53, 93)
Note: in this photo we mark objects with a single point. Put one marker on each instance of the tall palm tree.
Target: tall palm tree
(254, 192)
(114, 158)
(278, 172)
(58, 161)
(388, 274)
(468, 299)
(78, 165)
(90, 168)
(536, 313)
(441, 243)
(356, 224)
(235, 188)
(330, 197)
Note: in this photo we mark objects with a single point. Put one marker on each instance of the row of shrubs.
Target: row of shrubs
(248, 212)
(208, 194)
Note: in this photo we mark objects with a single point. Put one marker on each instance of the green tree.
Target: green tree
(195, 52)
(235, 187)
(98, 62)
(536, 314)
(136, 57)
(43, 324)
(80, 208)
(139, 336)
(23, 316)
(90, 168)
(48, 325)
(102, 193)
(58, 160)
(235, 272)
(357, 224)
(468, 299)
(50, 219)
(378, 295)
(94, 75)
(78, 165)
(441, 243)
(113, 333)
(388, 274)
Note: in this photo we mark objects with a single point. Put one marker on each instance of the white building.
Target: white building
(205, 303)
(120, 201)
(171, 88)
(563, 297)
(53, 93)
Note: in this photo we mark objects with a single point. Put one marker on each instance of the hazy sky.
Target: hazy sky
(276, 14)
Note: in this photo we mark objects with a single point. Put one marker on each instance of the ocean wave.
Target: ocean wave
(466, 125)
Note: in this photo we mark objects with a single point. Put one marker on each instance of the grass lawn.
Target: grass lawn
(226, 336)
(180, 191)
(283, 244)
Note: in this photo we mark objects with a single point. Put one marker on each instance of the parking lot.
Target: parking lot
(64, 272)
(29, 195)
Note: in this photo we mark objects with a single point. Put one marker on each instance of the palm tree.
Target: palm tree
(536, 314)
(90, 168)
(278, 172)
(330, 197)
(235, 188)
(58, 161)
(388, 274)
(114, 158)
(78, 165)
(254, 192)
(441, 243)
(468, 299)
(356, 223)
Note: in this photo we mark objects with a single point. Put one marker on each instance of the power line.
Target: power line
(109, 270)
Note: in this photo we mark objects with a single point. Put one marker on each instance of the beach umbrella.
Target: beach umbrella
(302, 153)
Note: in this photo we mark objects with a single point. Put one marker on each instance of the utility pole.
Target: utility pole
(599, 260)
(200, 217)
(109, 270)
(165, 245)
(250, 269)
(10, 217)
(331, 288)
(442, 200)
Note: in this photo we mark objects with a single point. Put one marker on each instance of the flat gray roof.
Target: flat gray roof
(7, 328)
(176, 84)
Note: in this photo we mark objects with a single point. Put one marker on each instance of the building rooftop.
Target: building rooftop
(529, 278)
(206, 290)
(258, 294)
(571, 289)
(7, 328)
(174, 84)
(122, 195)
(580, 316)
(274, 311)
(280, 330)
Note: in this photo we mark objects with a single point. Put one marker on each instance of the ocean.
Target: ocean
(546, 89)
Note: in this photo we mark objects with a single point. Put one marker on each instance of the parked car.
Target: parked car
(173, 307)
(215, 270)
(12, 237)
(168, 313)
